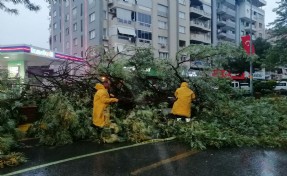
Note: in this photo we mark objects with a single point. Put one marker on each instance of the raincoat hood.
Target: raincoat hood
(99, 86)
(184, 84)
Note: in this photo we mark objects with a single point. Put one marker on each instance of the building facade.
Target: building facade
(165, 25)
(232, 19)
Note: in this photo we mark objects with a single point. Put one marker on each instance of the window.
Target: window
(105, 32)
(92, 34)
(124, 16)
(182, 29)
(75, 41)
(55, 38)
(92, 17)
(67, 3)
(55, 25)
(82, 41)
(82, 9)
(162, 10)
(82, 53)
(144, 19)
(162, 40)
(55, 13)
(260, 25)
(60, 37)
(182, 2)
(162, 24)
(181, 43)
(74, 12)
(81, 25)
(181, 15)
(105, 14)
(67, 45)
(75, 26)
(67, 17)
(144, 35)
(67, 31)
(163, 55)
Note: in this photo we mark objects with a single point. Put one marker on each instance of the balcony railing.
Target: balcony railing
(231, 2)
(200, 24)
(201, 37)
(230, 23)
(221, 22)
(200, 12)
(225, 10)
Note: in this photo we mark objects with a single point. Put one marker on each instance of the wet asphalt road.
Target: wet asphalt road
(164, 158)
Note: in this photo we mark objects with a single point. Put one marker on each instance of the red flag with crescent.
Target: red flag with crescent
(246, 44)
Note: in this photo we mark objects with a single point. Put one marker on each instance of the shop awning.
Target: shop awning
(127, 31)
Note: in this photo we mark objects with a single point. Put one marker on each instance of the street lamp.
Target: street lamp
(251, 69)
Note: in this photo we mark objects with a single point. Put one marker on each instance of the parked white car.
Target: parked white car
(281, 85)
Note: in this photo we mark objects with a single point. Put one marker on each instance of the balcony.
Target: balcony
(229, 3)
(247, 28)
(259, 3)
(221, 35)
(230, 36)
(200, 38)
(221, 22)
(230, 24)
(200, 25)
(199, 13)
(225, 11)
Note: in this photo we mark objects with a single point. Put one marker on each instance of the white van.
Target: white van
(281, 85)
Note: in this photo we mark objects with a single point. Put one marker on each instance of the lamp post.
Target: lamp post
(251, 69)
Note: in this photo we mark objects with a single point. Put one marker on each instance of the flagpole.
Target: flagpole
(251, 69)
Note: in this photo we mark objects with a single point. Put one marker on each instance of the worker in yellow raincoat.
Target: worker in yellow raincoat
(101, 115)
(182, 106)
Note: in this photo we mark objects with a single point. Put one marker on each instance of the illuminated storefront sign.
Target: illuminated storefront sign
(42, 52)
(15, 49)
(38, 52)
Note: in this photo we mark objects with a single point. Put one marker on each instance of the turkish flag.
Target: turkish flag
(246, 44)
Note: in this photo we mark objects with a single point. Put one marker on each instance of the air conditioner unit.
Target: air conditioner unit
(113, 11)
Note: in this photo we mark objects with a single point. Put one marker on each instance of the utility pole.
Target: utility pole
(251, 69)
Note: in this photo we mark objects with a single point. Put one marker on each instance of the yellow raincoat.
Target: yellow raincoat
(184, 96)
(101, 116)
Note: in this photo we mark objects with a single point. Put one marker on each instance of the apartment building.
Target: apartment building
(231, 20)
(165, 25)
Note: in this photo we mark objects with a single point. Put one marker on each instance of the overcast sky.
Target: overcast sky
(33, 27)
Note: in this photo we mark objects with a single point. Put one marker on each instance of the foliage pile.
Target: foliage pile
(144, 123)
(222, 117)
(12, 159)
(245, 122)
(62, 120)
(9, 117)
